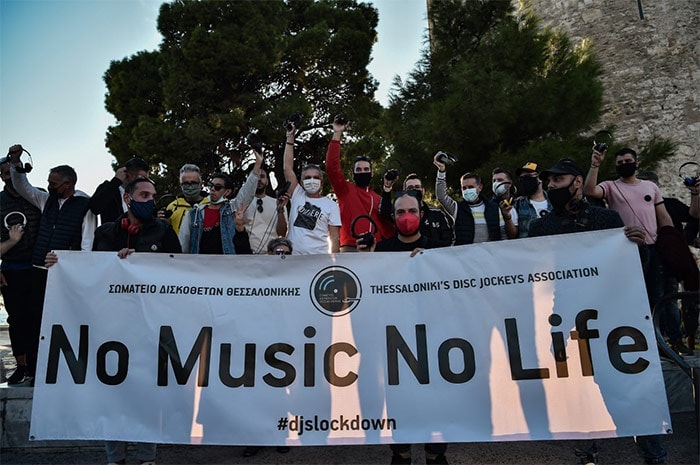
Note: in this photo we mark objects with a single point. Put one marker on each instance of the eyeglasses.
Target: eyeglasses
(282, 252)
(260, 205)
(217, 187)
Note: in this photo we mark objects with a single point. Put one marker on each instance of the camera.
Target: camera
(283, 189)
(292, 122)
(253, 141)
(447, 158)
(600, 147)
(340, 119)
(392, 174)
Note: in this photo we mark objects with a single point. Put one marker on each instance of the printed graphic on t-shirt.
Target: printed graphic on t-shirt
(307, 216)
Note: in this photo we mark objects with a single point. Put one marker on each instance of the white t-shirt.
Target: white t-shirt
(261, 226)
(309, 222)
(539, 206)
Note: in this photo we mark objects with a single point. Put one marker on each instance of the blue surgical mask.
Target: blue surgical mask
(470, 195)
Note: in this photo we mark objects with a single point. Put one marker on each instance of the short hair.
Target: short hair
(66, 172)
(311, 166)
(190, 168)
(131, 187)
(137, 164)
(414, 194)
(500, 169)
(470, 175)
(228, 182)
(277, 242)
(624, 151)
(412, 176)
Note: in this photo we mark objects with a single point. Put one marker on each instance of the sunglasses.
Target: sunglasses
(217, 187)
(260, 205)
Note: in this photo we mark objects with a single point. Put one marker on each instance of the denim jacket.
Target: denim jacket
(227, 223)
(526, 213)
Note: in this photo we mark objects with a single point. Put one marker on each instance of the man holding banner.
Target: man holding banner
(572, 213)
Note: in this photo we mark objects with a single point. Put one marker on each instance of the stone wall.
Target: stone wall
(651, 70)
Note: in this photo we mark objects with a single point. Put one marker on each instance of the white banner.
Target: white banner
(543, 338)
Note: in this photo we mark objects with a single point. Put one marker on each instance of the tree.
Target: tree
(225, 69)
(493, 85)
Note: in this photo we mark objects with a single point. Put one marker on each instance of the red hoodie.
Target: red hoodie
(354, 201)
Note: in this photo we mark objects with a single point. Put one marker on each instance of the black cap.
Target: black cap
(563, 166)
(529, 167)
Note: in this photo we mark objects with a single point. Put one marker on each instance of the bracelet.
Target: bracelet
(594, 166)
(507, 219)
(290, 143)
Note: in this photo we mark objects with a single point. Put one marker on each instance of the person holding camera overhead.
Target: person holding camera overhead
(265, 218)
(314, 220)
(354, 199)
(218, 227)
(108, 199)
(476, 218)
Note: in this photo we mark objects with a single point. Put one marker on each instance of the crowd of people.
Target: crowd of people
(299, 219)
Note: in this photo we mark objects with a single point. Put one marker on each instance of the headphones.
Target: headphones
(27, 167)
(129, 227)
(689, 180)
(368, 237)
(23, 222)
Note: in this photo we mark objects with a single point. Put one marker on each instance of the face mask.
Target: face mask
(222, 199)
(408, 224)
(470, 195)
(528, 185)
(561, 196)
(142, 211)
(190, 191)
(626, 170)
(311, 186)
(362, 179)
(52, 191)
(499, 188)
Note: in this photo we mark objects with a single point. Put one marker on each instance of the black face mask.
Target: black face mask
(528, 185)
(362, 179)
(626, 170)
(561, 196)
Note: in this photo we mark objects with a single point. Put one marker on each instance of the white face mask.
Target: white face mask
(222, 199)
(500, 188)
(311, 186)
(470, 195)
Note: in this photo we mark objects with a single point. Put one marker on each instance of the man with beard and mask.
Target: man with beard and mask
(639, 203)
(407, 216)
(66, 224)
(354, 199)
(108, 199)
(314, 220)
(533, 202)
(191, 186)
(476, 219)
(265, 217)
(137, 230)
(572, 213)
(433, 224)
(20, 224)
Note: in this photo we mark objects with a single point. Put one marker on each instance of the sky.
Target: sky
(54, 53)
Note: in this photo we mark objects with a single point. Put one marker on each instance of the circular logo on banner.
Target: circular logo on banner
(335, 291)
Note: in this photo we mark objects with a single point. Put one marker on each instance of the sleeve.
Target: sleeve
(446, 233)
(241, 243)
(334, 170)
(99, 237)
(385, 209)
(184, 234)
(88, 231)
(246, 193)
(104, 195)
(334, 217)
(31, 194)
(449, 204)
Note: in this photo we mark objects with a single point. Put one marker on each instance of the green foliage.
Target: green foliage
(226, 68)
(495, 88)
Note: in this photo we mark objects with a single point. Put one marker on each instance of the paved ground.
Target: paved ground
(682, 448)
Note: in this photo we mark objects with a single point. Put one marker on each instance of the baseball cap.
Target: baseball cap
(530, 167)
(563, 166)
